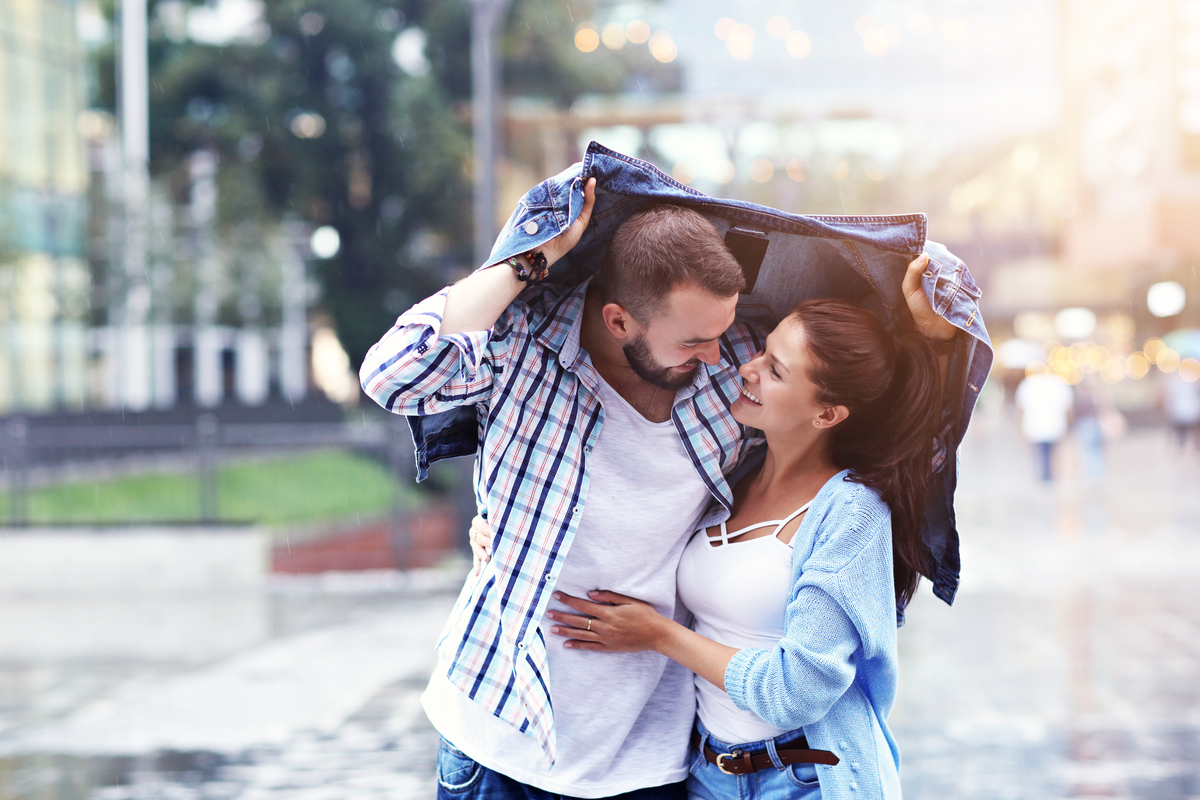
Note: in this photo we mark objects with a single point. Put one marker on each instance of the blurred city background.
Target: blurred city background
(218, 578)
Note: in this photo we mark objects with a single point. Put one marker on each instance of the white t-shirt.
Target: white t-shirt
(1045, 401)
(623, 720)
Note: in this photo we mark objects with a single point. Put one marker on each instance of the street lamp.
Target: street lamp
(132, 355)
(486, 18)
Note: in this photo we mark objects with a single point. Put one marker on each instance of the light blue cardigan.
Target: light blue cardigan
(834, 672)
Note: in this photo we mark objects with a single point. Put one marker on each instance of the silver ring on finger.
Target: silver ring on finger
(589, 627)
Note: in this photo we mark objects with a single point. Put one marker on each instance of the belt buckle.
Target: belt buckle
(723, 756)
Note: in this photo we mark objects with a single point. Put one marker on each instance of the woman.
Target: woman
(795, 595)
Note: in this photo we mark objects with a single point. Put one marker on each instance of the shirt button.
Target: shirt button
(842, 744)
(549, 577)
(576, 509)
(531, 227)
(853, 786)
(522, 646)
(854, 766)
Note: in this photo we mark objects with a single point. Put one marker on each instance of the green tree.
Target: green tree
(316, 120)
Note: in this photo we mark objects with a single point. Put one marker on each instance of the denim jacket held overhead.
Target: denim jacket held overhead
(787, 258)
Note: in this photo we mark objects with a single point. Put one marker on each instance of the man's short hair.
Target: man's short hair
(658, 249)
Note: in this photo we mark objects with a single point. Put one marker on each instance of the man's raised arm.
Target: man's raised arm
(439, 353)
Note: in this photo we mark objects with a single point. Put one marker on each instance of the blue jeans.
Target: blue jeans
(785, 782)
(1045, 460)
(460, 777)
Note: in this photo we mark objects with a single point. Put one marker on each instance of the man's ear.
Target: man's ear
(620, 323)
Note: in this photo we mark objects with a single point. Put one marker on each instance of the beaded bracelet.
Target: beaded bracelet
(536, 273)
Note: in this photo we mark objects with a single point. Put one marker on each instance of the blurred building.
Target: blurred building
(810, 108)
(1131, 78)
(222, 319)
(43, 179)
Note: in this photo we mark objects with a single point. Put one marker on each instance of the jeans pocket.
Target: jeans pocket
(803, 775)
(457, 772)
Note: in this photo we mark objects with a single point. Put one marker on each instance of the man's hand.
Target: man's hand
(478, 300)
(560, 245)
(929, 324)
(481, 543)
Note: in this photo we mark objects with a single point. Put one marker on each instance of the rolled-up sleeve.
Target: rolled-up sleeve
(796, 682)
(414, 370)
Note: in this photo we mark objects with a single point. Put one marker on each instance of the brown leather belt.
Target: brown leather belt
(740, 763)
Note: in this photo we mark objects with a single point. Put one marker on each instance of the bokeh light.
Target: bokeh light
(1075, 323)
(1153, 347)
(761, 170)
(308, 125)
(864, 23)
(919, 23)
(1189, 370)
(1166, 299)
(1136, 366)
(740, 41)
(954, 29)
(587, 37)
(1167, 360)
(613, 36)
(798, 44)
(876, 42)
(637, 32)
(683, 172)
(325, 242)
(662, 47)
(778, 27)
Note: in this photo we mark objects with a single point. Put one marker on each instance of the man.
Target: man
(604, 431)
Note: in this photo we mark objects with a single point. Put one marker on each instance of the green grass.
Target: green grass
(303, 487)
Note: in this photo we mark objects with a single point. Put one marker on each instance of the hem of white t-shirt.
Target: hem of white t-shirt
(587, 791)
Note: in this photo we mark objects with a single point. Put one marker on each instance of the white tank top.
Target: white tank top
(738, 592)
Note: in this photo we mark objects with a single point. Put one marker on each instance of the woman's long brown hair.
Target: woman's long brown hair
(892, 389)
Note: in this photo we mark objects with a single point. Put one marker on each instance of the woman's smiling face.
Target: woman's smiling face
(778, 397)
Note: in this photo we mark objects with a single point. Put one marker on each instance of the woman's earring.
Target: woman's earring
(816, 423)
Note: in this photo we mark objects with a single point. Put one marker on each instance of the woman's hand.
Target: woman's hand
(481, 543)
(560, 245)
(929, 324)
(610, 622)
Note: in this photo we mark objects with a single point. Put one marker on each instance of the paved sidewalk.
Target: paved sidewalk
(1069, 666)
(1070, 663)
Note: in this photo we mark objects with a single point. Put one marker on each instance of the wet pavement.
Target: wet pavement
(1069, 666)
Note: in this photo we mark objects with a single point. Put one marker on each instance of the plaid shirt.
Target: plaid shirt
(539, 412)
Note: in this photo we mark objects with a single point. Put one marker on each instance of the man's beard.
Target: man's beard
(637, 353)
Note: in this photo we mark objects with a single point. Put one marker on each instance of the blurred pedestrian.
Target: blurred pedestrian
(1045, 401)
(1096, 423)
(1181, 399)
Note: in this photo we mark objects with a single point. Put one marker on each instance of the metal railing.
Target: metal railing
(207, 442)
